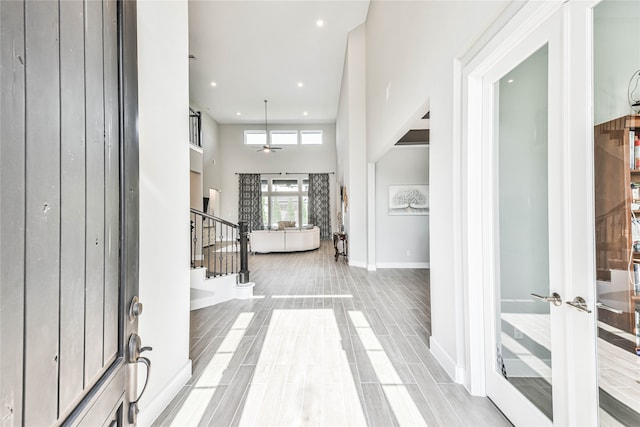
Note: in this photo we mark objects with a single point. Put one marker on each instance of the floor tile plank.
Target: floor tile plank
(311, 357)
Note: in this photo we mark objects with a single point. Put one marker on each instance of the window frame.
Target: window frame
(300, 136)
(276, 132)
(255, 132)
(300, 193)
(311, 132)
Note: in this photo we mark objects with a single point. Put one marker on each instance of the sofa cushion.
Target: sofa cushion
(284, 224)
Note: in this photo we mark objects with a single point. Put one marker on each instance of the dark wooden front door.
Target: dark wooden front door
(69, 211)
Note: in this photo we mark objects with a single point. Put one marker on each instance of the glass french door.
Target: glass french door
(616, 59)
(539, 310)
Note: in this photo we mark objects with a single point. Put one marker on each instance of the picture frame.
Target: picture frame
(409, 199)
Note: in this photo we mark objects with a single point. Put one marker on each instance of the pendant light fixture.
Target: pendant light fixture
(267, 148)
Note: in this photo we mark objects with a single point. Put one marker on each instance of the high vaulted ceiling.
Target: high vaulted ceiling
(257, 50)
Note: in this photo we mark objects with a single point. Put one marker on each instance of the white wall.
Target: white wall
(410, 51)
(397, 235)
(236, 157)
(352, 146)
(195, 159)
(616, 56)
(164, 199)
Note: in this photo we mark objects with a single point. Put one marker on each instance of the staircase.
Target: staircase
(219, 260)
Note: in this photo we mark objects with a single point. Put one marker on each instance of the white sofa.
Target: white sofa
(288, 240)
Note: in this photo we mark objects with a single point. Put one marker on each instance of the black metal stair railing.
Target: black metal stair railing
(220, 246)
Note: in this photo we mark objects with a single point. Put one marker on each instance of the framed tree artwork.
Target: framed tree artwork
(408, 200)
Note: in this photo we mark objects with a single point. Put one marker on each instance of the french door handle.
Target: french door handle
(554, 298)
(608, 308)
(580, 304)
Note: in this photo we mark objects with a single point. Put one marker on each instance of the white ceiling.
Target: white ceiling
(257, 50)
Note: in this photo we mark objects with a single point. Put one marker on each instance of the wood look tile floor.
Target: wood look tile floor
(322, 344)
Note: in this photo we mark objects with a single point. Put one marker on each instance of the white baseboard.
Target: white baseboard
(359, 264)
(456, 372)
(150, 411)
(403, 264)
(371, 267)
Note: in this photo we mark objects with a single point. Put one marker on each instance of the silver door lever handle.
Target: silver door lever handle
(580, 304)
(554, 298)
(608, 308)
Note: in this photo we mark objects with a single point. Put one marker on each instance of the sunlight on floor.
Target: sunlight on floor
(403, 406)
(310, 296)
(203, 390)
(303, 376)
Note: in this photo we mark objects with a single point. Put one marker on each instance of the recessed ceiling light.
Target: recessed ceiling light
(510, 81)
(320, 23)
(238, 113)
(214, 84)
(300, 84)
(305, 113)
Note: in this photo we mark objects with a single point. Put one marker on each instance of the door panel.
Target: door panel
(42, 220)
(556, 331)
(12, 193)
(523, 196)
(111, 400)
(616, 206)
(69, 111)
(73, 188)
(95, 223)
(112, 182)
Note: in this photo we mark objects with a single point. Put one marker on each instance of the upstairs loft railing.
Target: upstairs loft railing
(195, 127)
(220, 246)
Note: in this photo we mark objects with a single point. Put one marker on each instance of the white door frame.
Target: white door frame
(577, 128)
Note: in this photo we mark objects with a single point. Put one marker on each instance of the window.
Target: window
(280, 185)
(255, 137)
(311, 137)
(284, 137)
(285, 199)
(284, 208)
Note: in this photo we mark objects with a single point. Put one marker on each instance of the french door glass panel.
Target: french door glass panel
(523, 323)
(617, 210)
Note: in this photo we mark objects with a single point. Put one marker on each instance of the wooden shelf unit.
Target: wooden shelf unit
(614, 241)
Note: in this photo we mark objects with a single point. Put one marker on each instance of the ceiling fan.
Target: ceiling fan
(267, 148)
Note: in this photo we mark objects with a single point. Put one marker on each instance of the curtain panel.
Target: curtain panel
(319, 204)
(250, 200)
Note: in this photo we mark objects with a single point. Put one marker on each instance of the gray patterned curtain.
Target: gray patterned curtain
(319, 206)
(250, 200)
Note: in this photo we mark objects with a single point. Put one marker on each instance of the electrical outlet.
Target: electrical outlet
(408, 252)
(517, 334)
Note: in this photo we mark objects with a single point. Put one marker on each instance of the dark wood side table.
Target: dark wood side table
(338, 237)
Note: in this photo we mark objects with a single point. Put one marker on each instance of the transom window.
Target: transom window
(283, 137)
(254, 137)
(285, 199)
(311, 137)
